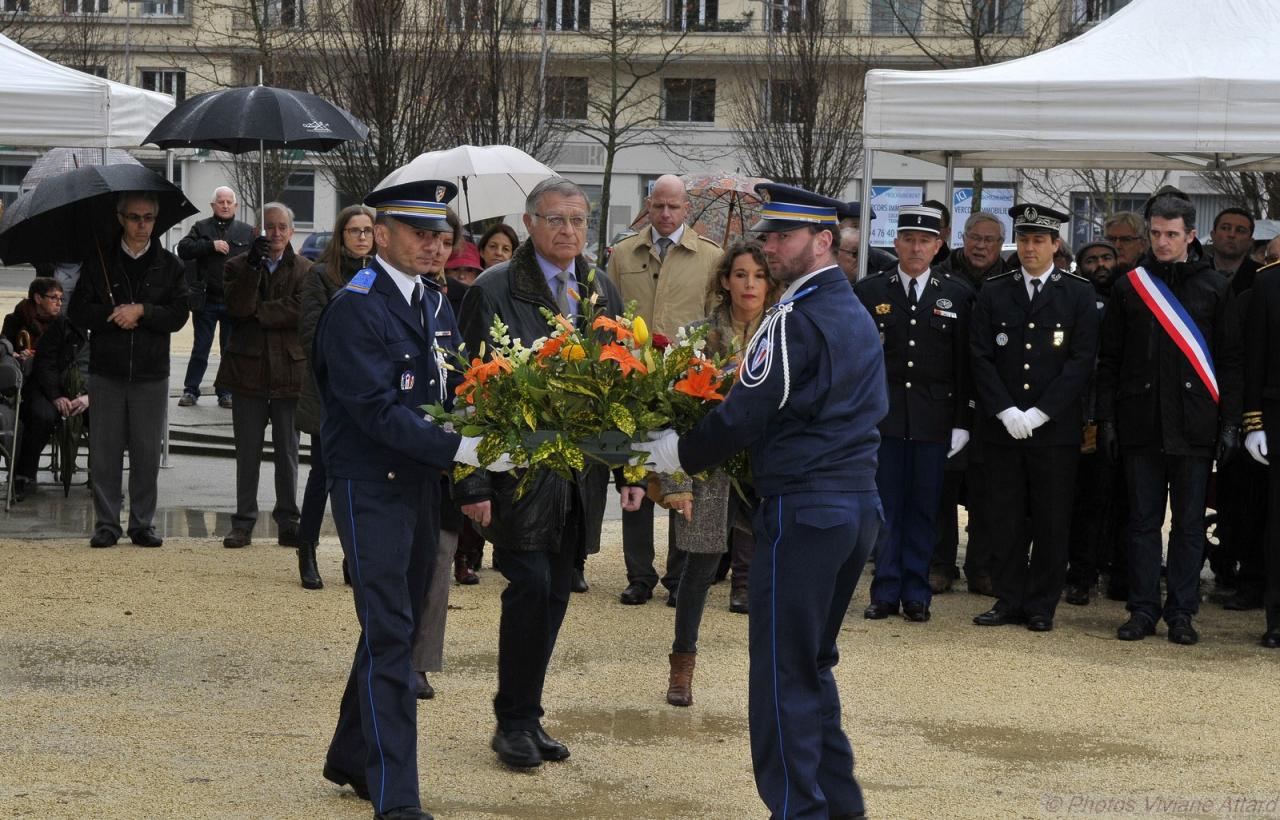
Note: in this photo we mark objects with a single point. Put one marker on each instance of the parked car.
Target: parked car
(314, 244)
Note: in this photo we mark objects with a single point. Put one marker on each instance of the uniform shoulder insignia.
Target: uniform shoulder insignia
(993, 277)
(362, 281)
(876, 275)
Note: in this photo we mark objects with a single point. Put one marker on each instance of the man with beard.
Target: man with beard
(810, 394)
(977, 259)
(1169, 394)
(1097, 524)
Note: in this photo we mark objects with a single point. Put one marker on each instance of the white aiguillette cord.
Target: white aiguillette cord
(757, 366)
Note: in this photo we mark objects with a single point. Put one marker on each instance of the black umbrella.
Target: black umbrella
(61, 218)
(238, 120)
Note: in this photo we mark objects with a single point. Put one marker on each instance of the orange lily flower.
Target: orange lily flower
(609, 324)
(551, 347)
(700, 383)
(617, 353)
(479, 373)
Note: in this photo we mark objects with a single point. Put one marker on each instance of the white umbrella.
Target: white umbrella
(492, 180)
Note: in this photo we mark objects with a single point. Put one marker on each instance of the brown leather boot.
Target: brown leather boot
(680, 687)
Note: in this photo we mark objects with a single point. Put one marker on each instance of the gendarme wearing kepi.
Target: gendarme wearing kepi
(378, 357)
(810, 393)
(920, 218)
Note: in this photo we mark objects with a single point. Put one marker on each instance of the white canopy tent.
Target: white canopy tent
(1161, 84)
(49, 105)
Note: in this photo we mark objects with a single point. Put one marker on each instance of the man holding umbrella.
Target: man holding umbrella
(131, 298)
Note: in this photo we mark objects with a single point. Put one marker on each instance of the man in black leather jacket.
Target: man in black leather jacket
(1171, 419)
(537, 538)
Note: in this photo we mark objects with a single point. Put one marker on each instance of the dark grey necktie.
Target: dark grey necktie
(563, 300)
(419, 305)
(1035, 290)
(664, 245)
(913, 297)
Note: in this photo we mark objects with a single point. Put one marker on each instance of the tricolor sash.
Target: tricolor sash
(1175, 320)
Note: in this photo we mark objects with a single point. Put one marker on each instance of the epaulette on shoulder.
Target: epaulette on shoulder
(1270, 266)
(1075, 275)
(876, 275)
(709, 241)
(993, 277)
(362, 281)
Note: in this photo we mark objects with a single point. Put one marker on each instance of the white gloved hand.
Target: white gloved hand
(1015, 421)
(959, 438)
(663, 450)
(1256, 444)
(502, 464)
(468, 454)
(1035, 417)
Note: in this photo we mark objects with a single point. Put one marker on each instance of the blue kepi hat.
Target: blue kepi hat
(787, 207)
(422, 204)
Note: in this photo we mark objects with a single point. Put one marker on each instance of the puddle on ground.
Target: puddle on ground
(642, 726)
(602, 800)
(53, 664)
(1029, 747)
(473, 663)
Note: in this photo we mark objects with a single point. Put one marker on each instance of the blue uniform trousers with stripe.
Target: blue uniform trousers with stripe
(810, 550)
(909, 477)
(388, 532)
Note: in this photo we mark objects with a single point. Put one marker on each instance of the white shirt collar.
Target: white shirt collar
(1027, 279)
(675, 237)
(124, 247)
(403, 281)
(923, 279)
(800, 283)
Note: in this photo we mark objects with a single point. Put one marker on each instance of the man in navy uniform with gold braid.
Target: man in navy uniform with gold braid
(380, 352)
(1261, 414)
(809, 397)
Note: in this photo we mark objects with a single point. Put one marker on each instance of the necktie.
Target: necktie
(417, 305)
(562, 297)
(1035, 289)
(664, 245)
(912, 296)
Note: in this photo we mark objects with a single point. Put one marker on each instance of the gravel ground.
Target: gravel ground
(190, 681)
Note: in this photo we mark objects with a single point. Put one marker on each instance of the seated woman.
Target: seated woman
(703, 511)
(31, 317)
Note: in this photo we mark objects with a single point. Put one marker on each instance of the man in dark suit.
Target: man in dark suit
(1034, 336)
(206, 249)
(1169, 398)
(923, 318)
(1261, 408)
(380, 350)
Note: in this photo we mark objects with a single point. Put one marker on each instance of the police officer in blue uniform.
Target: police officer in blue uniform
(810, 394)
(1034, 335)
(380, 351)
(923, 318)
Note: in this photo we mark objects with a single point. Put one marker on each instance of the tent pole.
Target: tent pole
(864, 218)
(951, 180)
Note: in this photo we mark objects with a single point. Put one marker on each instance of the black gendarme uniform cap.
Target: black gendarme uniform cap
(422, 204)
(1029, 218)
(920, 218)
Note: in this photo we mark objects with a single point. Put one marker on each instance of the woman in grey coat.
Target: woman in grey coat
(703, 511)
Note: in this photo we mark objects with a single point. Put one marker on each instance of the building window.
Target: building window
(1089, 211)
(1092, 11)
(84, 6)
(686, 15)
(17, 6)
(11, 181)
(166, 82)
(998, 16)
(689, 100)
(300, 194)
(285, 13)
(896, 16)
(95, 70)
(781, 101)
(567, 15)
(470, 15)
(567, 98)
(165, 8)
(788, 15)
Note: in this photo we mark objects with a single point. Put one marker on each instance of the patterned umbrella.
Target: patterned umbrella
(722, 205)
(60, 160)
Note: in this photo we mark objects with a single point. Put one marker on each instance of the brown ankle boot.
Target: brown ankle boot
(680, 687)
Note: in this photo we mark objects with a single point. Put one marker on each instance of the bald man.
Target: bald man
(206, 250)
(665, 270)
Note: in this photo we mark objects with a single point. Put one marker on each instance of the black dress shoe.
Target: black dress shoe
(425, 690)
(995, 616)
(146, 538)
(1076, 594)
(1039, 623)
(335, 775)
(404, 813)
(238, 538)
(579, 582)
(517, 748)
(1271, 638)
(102, 539)
(550, 748)
(1182, 632)
(1136, 628)
(635, 594)
(288, 537)
(917, 611)
(879, 610)
(739, 602)
(672, 598)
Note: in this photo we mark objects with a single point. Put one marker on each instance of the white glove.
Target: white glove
(959, 438)
(1256, 444)
(502, 464)
(467, 451)
(1035, 417)
(663, 448)
(1015, 421)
